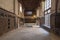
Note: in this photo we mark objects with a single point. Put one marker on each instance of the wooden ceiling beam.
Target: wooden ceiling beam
(30, 4)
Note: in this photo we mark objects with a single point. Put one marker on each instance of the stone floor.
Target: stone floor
(54, 37)
(27, 34)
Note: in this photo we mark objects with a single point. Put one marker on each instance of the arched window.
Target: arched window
(47, 4)
(47, 12)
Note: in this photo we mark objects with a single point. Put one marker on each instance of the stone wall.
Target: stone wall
(7, 22)
(40, 13)
(9, 17)
(53, 4)
(55, 21)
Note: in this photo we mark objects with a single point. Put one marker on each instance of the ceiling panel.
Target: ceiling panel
(30, 4)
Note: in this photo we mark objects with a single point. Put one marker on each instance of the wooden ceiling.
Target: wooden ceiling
(30, 4)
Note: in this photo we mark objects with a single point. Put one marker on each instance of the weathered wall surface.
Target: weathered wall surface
(7, 4)
(9, 17)
(7, 22)
(55, 21)
(40, 13)
(53, 4)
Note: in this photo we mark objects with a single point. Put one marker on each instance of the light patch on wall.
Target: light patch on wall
(38, 15)
(20, 8)
(43, 4)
